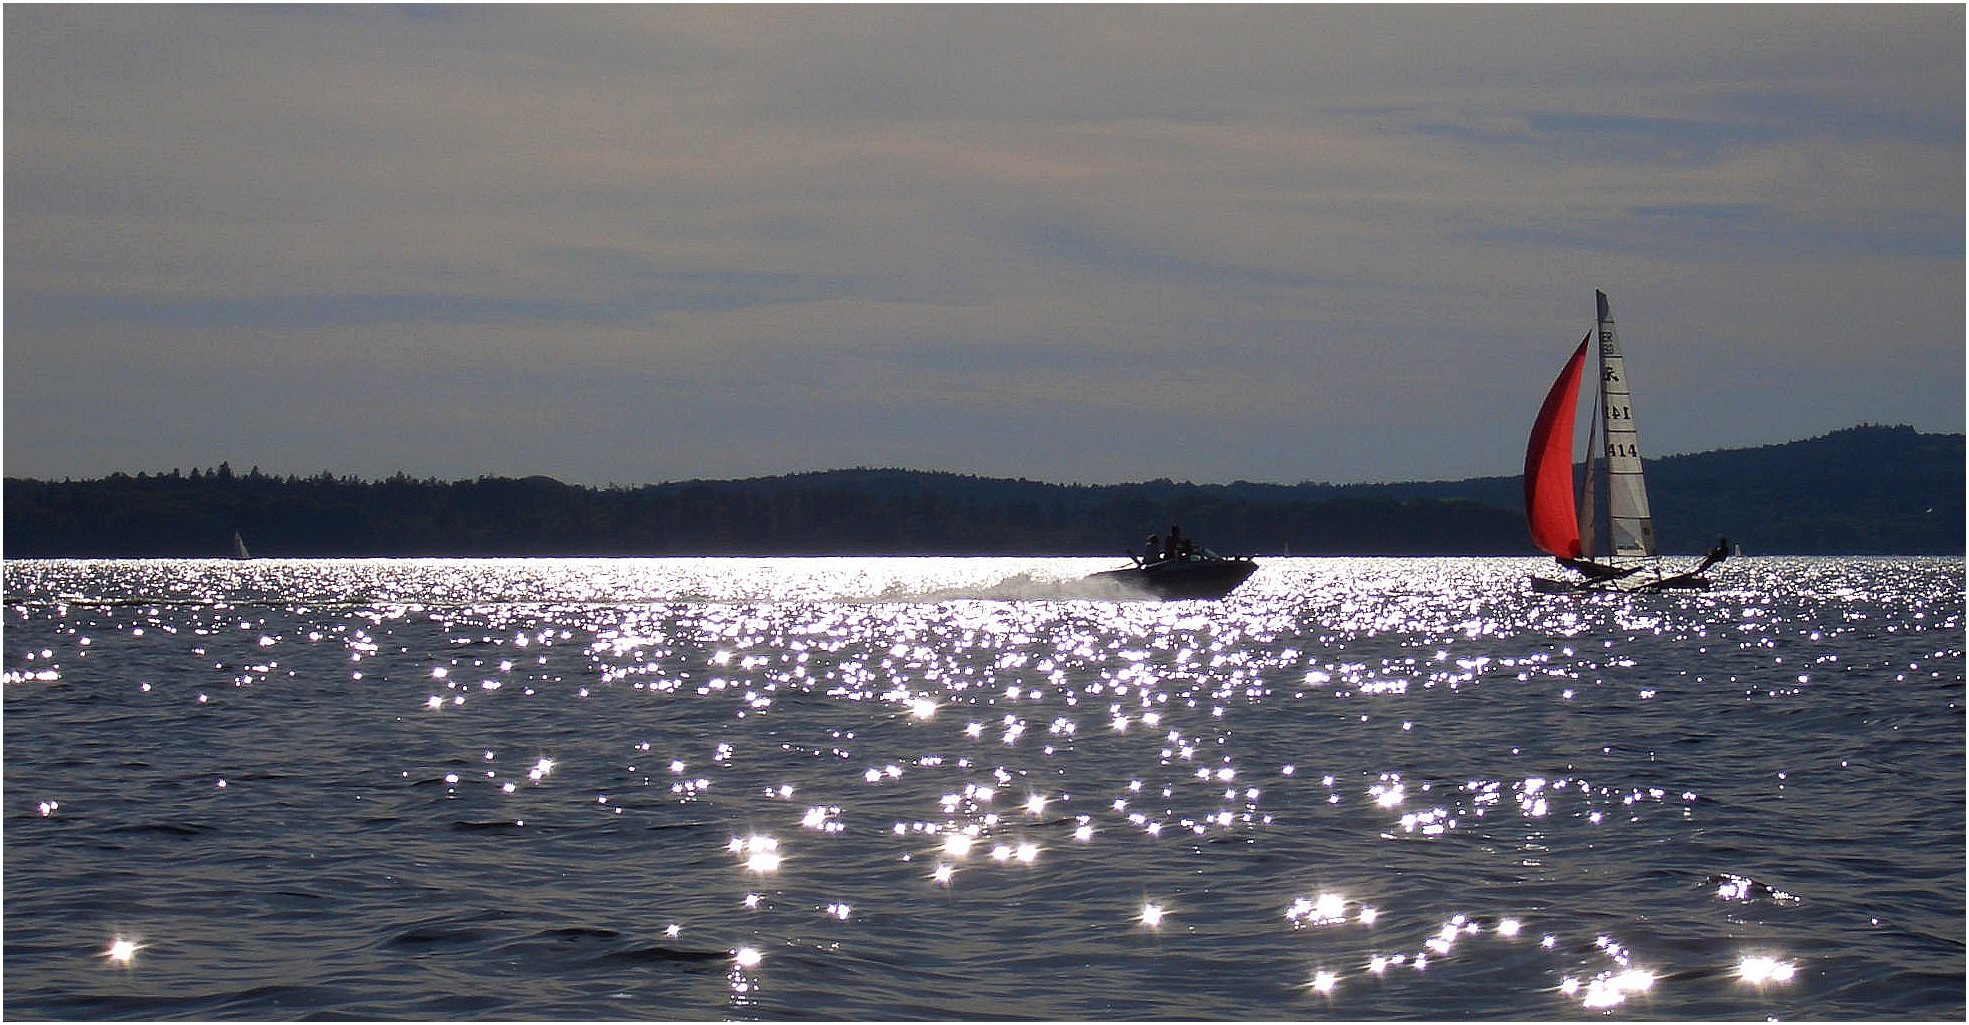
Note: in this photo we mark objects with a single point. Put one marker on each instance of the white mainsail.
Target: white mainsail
(1630, 528)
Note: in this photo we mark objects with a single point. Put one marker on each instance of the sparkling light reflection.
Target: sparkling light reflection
(1759, 970)
(1326, 909)
(1611, 989)
(887, 708)
(760, 853)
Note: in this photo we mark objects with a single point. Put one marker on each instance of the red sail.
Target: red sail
(1549, 508)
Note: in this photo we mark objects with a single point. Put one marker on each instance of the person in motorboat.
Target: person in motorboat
(1176, 548)
(1175, 567)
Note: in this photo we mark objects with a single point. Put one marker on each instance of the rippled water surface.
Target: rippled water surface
(934, 788)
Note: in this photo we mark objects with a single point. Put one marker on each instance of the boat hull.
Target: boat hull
(1176, 580)
(1679, 582)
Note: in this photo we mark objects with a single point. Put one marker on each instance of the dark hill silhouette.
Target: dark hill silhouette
(1864, 490)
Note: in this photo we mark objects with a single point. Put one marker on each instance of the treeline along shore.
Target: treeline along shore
(1868, 490)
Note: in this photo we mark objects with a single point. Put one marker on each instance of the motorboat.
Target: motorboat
(1200, 575)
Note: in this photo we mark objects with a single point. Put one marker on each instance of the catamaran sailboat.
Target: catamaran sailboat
(1607, 536)
(239, 547)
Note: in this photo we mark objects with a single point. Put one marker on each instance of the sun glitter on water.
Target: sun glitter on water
(758, 853)
(1761, 970)
(826, 694)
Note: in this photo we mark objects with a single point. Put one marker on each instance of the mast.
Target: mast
(1592, 493)
(1630, 530)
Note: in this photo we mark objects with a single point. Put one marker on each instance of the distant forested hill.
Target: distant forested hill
(1866, 490)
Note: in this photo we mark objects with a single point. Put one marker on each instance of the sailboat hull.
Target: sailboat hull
(1678, 582)
(1547, 585)
(1681, 582)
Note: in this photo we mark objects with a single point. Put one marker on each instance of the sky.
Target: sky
(634, 244)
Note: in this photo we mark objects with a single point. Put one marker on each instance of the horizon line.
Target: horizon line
(613, 485)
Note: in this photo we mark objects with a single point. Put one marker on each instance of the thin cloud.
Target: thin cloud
(1297, 242)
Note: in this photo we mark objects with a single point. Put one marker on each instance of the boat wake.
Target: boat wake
(1016, 587)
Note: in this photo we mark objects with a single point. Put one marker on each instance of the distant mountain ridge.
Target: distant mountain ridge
(1864, 490)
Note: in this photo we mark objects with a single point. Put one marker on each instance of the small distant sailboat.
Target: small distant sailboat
(239, 547)
(1607, 536)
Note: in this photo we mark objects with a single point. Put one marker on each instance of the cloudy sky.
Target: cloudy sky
(1093, 244)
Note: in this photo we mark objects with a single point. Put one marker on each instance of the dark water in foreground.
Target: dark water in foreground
(904, 788)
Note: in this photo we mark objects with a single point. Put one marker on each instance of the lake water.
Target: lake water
(934, 788)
